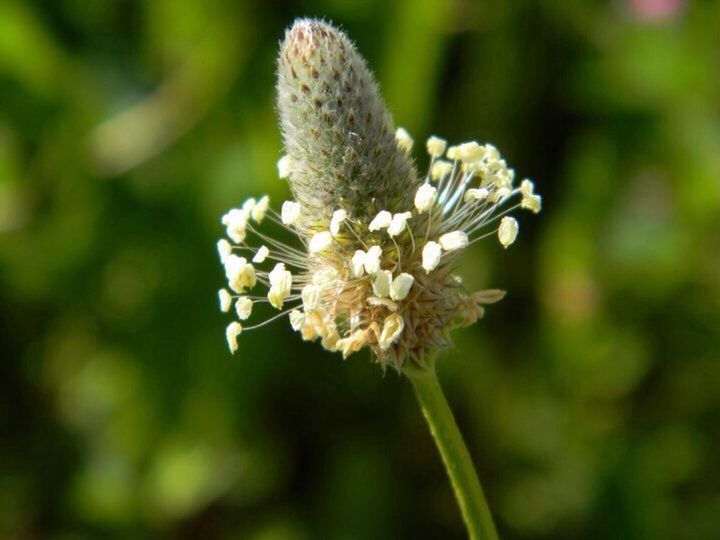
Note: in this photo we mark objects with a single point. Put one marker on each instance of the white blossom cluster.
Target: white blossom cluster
(387, 282)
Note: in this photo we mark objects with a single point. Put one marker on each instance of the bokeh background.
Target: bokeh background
(590, 397)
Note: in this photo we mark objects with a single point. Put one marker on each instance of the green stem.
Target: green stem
(455, 456)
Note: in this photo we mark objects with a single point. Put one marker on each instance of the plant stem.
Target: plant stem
(455, 456)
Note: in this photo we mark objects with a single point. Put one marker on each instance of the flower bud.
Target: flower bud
(338, 134)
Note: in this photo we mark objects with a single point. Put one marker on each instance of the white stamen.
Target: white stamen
(508, 231)
(376, 301)
(470, 151)
(401, 286)
(397, 224)
(392, 328)
(290, 212)
(224, 248)
(248, 205)
(337, 218)
(425, 197)
(283, 166)
(225, 300)
(243, 307)
(297, 318)
(280, 285)
(381, 221)
(231, 333)
(436, 146)
(235, 222)
(258, 211)
(239, 273)
(320, 242)
(357, 263)
(381, 285)
(440, 169)
(261, 254)
(473, 194)
(372, 259)
(431, 256)
(310, 296)
(404, 140)
(530, 200)
(453, 240)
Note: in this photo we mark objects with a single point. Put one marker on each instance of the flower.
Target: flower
(375, 259)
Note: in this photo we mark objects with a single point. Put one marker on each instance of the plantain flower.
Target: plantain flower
(375, 258)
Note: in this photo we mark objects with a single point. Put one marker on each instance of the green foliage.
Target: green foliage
(590, 396)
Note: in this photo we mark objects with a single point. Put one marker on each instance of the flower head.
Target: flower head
(375, 260)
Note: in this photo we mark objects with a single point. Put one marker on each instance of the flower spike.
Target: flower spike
(376, 246)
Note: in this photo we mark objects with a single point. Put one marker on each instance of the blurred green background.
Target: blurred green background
(590, 397)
